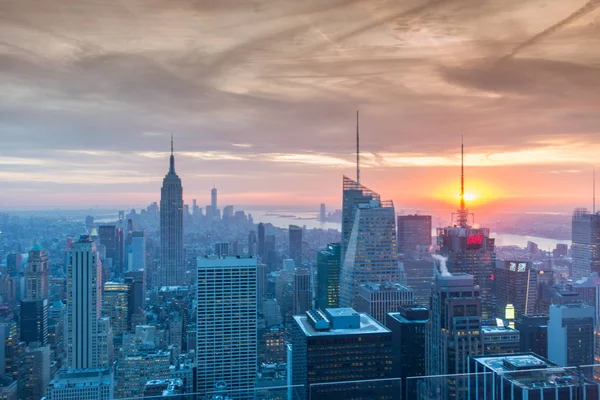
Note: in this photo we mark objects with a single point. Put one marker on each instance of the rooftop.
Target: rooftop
(367, 325)
(82, 378)
(385, 286)
(497, 329)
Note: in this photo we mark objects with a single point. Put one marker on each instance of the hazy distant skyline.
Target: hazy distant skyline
(261, 97)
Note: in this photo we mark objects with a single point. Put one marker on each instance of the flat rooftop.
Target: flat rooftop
(530, 371)
(497, 329)
(367, 325)
(386, 286)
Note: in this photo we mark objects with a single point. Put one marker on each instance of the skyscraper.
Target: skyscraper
(371, 243)
(378, 299)
(295, 237)
(571, 334)
(585, 250)
(226, 323)
(533, 331)
(84, 299)
(453, 333)
(353, 194)
(36, 274)
(328, 276)
(137, 256)
(172, 262)
(516, 284)
(408, 337)
(213, 199)
(261, 241)
(97, 384)
(414, 233)
(34, 322)
(341, 346)
(115, 304)
(302, 291)
(470, 250)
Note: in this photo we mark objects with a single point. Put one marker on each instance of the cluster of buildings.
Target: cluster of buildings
(382, 311)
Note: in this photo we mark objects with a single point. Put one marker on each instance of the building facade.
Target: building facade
(378, 299)
(571, 334)
(343, 346)
(370, 250)
(86, 384)
(172, 257)
(516, 283)
(84, 299)
(227, 324)
(414, 233)
(585, 250)
(328, 276)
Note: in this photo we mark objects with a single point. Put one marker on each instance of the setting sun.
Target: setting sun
(470, 197)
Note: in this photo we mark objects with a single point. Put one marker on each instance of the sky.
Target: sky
(261, 97)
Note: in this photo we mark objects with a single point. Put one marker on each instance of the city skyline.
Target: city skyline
(264, 105)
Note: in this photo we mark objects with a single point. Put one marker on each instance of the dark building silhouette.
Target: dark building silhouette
(571, 334)
(261, 241)
(408, 340)
(172, 260)
(328, 276)
(516, 284)
(34, 321)
(295, 238)
(414, 233)
(534, 334)
(341, 345)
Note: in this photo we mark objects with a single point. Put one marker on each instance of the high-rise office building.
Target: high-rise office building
(453, 334)
(370, 248)
(353, 194)
(295, 238)
(341, 345)
(222, 249)
(302, 291)
(526, 376)
(322, 213)
(571, 335)
(34, 322)
(378, 299)
(36, 274)
(89, 223)
(533, 333)
(500, 340)
(115, 304)
(36, 374)
(420, 278)
(261, 241)
(585, 249)
(84, 300)
(252, 244)
(213, 199)
(408, 338)
(85, 384)
(516, 284)
(137, 294)
(172, 259)
(589, 291)
(227, 324)
(328, 276)
(470, 250)
(137, 255)
(414, 234)
(111, 237)
(13, 263)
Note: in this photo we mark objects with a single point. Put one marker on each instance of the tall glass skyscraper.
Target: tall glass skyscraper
(370, 243)
(226, 351)
(172, 261)
(586, 243)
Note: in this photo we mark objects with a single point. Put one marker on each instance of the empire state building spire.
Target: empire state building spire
(172, 160)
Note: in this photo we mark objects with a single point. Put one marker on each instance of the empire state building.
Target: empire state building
(172, 261)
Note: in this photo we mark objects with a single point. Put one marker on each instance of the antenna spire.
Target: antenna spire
(357, 151)
(172, 159)
(462, 173)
